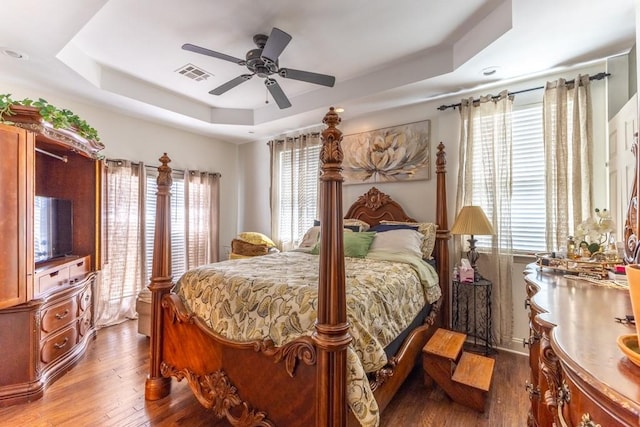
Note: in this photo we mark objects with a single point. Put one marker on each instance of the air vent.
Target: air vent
(193, 72)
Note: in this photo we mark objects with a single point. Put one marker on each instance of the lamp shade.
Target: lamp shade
(472, 220)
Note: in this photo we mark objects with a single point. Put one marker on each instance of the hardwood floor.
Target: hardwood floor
(107, 389)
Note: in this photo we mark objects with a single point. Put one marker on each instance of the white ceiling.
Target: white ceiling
(123, 54)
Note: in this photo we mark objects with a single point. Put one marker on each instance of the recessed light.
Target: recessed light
(15, 54)
(339, 110)
(489, 71)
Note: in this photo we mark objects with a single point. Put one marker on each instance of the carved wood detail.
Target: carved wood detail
(29, 118)
(216, 392)
(375, 206)
(632, 223)
(586, 421)
(550, 368)
(300, 349)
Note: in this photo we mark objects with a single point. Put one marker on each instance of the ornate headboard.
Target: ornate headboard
(375, 206)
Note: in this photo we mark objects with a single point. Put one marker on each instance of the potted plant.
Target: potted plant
(59, 118)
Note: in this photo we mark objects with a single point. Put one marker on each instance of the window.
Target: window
(295, 167)
(528, 196)
(528, 220)
(178, 232)
(130, 225)
(299, 170)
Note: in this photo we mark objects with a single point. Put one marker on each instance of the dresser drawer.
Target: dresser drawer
(84, 324)
(52, 279)
(58, 344)
(79, 268)
(85, 298)
(59, 315)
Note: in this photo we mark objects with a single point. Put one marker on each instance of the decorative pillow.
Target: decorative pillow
(256, 238)
(398, 242)
(351, 222)
(428, 230)
(310, 238)
(240, 247)
(356, 245)
(381, 228)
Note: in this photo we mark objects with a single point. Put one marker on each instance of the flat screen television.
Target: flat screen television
(53, 228)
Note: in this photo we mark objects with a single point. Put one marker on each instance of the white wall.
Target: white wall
(133, 139)
(418, 197)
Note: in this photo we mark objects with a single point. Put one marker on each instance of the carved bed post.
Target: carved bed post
(442, 235)
(332, 329)
(157, 386)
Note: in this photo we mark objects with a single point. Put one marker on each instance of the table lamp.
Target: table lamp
(471, 220)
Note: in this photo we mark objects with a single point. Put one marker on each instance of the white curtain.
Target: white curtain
(484, 178)
(568, 138)
(202, 234)
(129, 234)
(294, 187)
(123, 274)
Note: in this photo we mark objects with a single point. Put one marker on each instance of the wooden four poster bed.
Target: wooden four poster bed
(301, 382)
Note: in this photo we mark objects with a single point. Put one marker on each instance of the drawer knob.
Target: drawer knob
(62, 315)
(58, 346)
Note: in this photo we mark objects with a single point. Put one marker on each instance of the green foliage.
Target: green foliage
(59, 118)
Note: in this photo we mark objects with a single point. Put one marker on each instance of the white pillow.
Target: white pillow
(428, 230)
(398, 241)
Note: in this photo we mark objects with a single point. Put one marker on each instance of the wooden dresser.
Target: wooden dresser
(579, 376)
(46, 308)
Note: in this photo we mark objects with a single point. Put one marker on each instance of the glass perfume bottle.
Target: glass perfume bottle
(571, 248)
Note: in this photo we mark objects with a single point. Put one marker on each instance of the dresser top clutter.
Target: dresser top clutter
(581, 368)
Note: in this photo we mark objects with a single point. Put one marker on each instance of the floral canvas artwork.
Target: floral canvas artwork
(393, 154)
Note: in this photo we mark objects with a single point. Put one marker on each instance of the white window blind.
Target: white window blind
(528, 194)
(298, 201)
(178, 232)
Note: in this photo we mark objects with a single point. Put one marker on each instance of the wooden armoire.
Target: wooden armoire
(46, 308)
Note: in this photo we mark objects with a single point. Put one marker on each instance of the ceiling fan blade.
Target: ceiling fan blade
(197, 49)
(277, 93)
(276, 43)
(230, 84)
(307, 76)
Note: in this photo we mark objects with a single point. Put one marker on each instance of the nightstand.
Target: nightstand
(472, 314)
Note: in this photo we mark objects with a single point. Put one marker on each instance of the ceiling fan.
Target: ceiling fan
(263, 62)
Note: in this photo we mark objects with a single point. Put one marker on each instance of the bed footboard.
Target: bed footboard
(252, 383)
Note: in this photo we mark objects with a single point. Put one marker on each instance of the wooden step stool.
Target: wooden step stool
(464, 377)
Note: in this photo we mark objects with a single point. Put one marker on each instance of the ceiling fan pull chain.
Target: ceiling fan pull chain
(266, 95)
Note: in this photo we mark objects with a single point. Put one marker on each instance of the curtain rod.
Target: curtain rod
(191, 172)
(297, 136)
(598, 76)
(55, 156)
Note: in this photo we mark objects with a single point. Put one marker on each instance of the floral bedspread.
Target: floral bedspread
(276, 296)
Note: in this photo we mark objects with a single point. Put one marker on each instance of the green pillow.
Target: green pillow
(355, 244)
